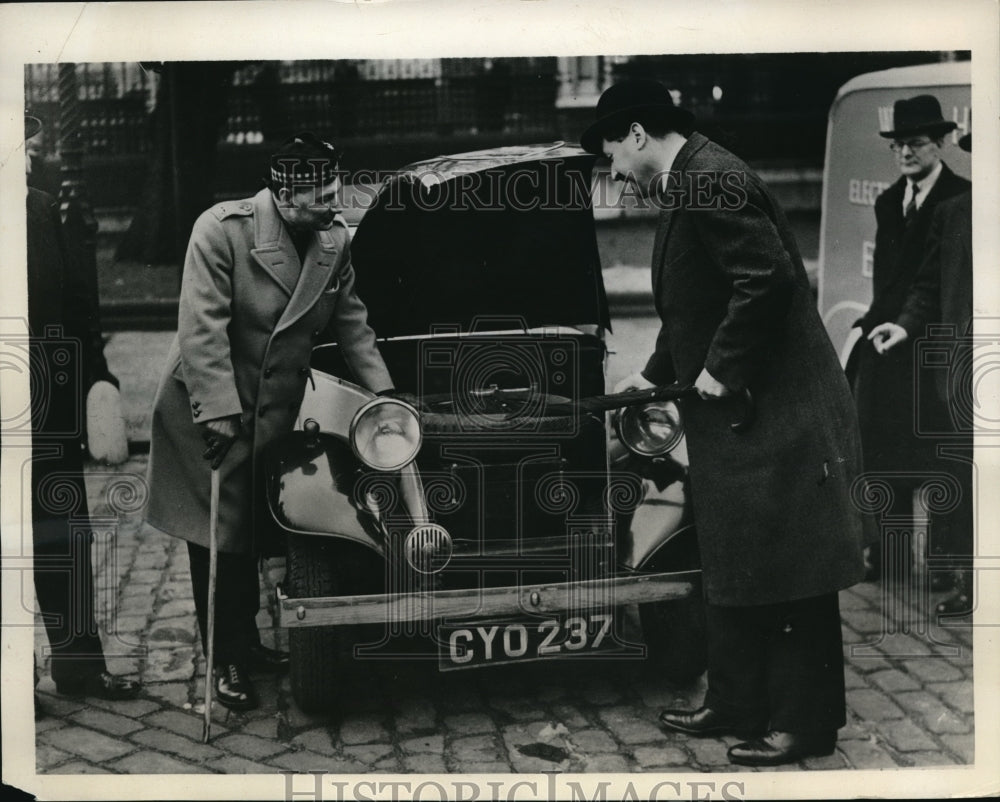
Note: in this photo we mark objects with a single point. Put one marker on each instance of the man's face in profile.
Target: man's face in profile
(310, 208)
(33, 150)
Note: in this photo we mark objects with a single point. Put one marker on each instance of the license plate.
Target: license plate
(478, 643)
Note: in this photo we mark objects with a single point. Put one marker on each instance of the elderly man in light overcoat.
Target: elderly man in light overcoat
(778, 531)
(263, 279)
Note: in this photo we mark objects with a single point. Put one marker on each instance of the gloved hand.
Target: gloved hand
(219, 435)
(107, 440)
(886, 336)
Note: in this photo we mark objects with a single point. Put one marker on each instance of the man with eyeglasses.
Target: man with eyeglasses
(885, 383)
(942, 293)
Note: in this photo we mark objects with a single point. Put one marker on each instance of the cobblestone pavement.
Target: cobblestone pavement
(910, 698)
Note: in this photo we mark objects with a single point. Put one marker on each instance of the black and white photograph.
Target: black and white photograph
(519, 400)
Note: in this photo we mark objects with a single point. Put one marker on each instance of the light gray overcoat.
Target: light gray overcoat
(247, 322)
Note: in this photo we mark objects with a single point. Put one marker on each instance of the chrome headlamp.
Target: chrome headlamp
(650, 430)
(385, 434)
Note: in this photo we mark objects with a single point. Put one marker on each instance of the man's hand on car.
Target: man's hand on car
(887, 335)
(219, 435)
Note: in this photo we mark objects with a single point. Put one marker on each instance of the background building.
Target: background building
(161, 142)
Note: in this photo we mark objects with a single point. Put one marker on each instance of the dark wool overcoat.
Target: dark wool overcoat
(885, 386)
(942, 289)
(249, 314)
(68, 350)
(773, 506)
(67, 358)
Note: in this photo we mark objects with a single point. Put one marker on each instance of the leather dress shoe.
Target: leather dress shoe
(103, 685)
(706, 721)
(958, 603)
(777, 748)
(960, 600)
(269, 661)
(941, 581)
(234, 689)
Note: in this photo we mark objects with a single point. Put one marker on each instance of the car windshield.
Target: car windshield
(443, 249)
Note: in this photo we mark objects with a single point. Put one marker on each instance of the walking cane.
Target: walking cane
(213, 560)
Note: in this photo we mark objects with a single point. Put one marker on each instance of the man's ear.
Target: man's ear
(638, 133)
(283, 195)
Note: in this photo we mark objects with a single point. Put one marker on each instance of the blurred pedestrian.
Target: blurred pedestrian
(263, 279)
(942, 293)
(65, 341)
(885, 386)
(778, 533)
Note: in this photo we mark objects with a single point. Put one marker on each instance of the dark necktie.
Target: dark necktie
(911, 208)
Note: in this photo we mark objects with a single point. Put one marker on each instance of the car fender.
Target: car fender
(314, 487)
(663, 511)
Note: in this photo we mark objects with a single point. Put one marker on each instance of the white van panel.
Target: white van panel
(859, 166)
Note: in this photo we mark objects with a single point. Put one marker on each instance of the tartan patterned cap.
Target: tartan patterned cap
(304, 160)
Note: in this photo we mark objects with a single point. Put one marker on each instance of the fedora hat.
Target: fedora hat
(32, 125)
(623, 102)
(918, 115)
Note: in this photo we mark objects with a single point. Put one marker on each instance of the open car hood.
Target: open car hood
(498, 234)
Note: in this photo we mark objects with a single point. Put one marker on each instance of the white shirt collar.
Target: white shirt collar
(926, 184)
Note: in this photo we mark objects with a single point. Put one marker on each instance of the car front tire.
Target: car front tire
(321, 658)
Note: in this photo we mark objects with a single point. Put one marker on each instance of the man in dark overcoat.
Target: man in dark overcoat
(263, 279)
(941, 293)
(885, 387)
(778, 533)
(67, 354)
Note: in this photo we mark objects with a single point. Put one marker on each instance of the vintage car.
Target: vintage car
(500, 508)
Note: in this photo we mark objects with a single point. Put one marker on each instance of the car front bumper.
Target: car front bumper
(383, 608)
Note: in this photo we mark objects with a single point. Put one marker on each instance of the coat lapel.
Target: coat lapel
(317, 270)
(917, 229)
(273, 249)
(694, 143)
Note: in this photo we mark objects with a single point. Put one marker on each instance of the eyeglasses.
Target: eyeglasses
(913, 144)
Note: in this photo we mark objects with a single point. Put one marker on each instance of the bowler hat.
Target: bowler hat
(32, 125)
(624, 102)
(918, 115)
(304, 160)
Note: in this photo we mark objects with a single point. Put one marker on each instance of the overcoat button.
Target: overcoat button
(303, 371)
(262, 410)
(245, 207)
(315, 333)
(195, 404)
(196, 413)
(267, 373)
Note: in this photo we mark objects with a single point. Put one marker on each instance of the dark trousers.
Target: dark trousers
(948, 507)
(781, 663)
(237, 600)
(64, 586)
(952, 528)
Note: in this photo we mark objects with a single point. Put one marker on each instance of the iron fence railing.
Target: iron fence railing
(339, 99)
